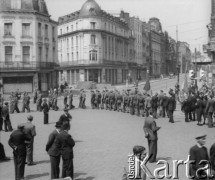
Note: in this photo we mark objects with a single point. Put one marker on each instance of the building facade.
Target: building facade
(28, 48)
(94, 45)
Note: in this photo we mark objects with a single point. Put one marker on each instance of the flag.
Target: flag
(185, 84)
(147, 86)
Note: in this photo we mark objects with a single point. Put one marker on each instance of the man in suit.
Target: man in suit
(150, 128)
(192, 113)
(30, 130)
(186, 106)
(66, 117)
(171, 106)
(45, 108)
(155, 105)
(198, 153)
(54, 152)
(17, 142)
(6, 118)
(210, 109)
(65, 143)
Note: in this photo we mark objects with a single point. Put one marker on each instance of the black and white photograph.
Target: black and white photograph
(107, 89)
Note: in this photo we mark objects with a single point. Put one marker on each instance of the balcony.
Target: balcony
(26, 66)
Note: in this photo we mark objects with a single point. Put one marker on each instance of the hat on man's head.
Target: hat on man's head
(20, 126)
(200, 137)
(6, 103)
(30, 117)
(138, 149)
(58, 124)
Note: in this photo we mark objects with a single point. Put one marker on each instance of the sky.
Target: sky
(190, 16)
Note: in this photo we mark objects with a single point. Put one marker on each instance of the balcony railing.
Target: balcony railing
(32, 65)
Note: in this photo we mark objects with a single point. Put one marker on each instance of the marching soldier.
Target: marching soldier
(92, 100)
(118, 101)
(141, 104)
(102, 99)
(131, 103)
(107, 106)
(111, 100)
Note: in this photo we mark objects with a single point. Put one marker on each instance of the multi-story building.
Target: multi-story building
(184, 56)
(28, 49)
(155, 46)
(93, 45)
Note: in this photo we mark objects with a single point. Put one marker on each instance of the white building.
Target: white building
(93, 45)
(28, 48)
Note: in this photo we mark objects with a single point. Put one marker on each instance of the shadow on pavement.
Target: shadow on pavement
(42, 162)
(34, 176)
(78, 141)
(87, 178)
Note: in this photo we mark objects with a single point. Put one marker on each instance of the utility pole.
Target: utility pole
(177, 58)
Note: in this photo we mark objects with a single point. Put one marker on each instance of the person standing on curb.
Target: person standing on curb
(30, 130)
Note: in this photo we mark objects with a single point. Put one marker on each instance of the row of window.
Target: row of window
(26, 31)
(25, 54)
(108, 27)
(92, 56)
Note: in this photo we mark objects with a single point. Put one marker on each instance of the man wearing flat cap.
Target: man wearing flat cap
(198, 153)
(17, 142)
(54, 152)
(30, 130)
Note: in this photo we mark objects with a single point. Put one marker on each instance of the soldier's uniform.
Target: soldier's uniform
(107, 100)
(118, 101)
(111, 100)
(125, 102)
(141, 104)
(131, 103)
(92, 100)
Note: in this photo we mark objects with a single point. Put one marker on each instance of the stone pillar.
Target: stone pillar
(60, 78)
(70, 74)
(87, 74)
(81, 75)
(103, 75)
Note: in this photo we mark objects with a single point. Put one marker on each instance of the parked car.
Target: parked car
(171, 75)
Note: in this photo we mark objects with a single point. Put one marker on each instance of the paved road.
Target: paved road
(103, 141)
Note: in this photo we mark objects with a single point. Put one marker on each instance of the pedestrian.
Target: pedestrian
(45, 108)
(92, 100)
(155, 105)
(39, 101)
(6, 118)
(71, 106)
(26, 102)
(148, 104)
(65, 143)
(65, 98)
(150, 129)
(164, 105)
(185, 107)
(30, 130)
(17, 142)
(171, 106)
(212, 158)
(54, 152)
(198, 153)
(3, 157)
(66, 117)
(199, 110)
(210, 109)
(35, 96)
(1, 106)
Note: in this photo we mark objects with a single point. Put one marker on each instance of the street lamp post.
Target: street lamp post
(178, 71)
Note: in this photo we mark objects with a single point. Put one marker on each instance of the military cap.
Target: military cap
(201, 137)
(58, 124)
